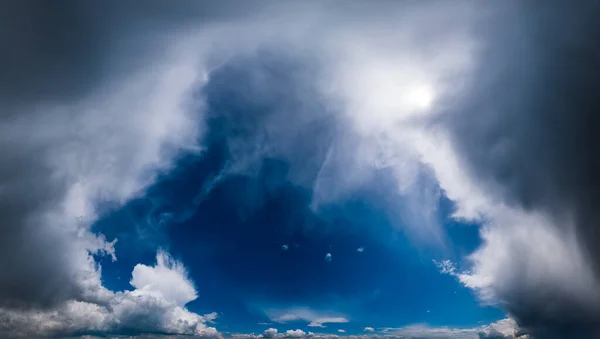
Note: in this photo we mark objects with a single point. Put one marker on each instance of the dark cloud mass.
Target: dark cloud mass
(530, 132)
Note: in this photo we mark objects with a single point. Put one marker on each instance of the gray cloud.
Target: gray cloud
(94, 102)
(527, 132)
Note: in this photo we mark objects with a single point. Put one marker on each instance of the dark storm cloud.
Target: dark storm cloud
(530, 131)
(57, 53)
(63, 49)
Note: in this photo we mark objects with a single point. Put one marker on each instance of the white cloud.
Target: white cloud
(360, 249)
(505, 328)
(148, 308)
(342, 331)
(328, 257)
(314, 318)
(319, 322)
(167, 280)
(270, 333)
(294, 334)
(446, 267)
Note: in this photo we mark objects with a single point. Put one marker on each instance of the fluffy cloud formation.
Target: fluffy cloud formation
(156, 305)
(369, 329)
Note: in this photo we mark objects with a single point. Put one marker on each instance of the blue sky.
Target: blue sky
(255, 245)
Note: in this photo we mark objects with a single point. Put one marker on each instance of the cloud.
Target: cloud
(156, 305)
(270, 333)
(369, 329)
(446, 267)
(284, 247)
(525, 134)
(328, 257)
(167, 280)
(294, 334)
(502, 329)
(318, 322)
(341, 331)
(501, 121)
(314, 318)
(360, 249)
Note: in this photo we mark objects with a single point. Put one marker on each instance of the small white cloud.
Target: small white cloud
(446, 267)
(315, 318)
(328, 257)
(270, 333)
(341, 331)
(295, 334)
(285, 247)
(360, 249)
(333, 320)
(167, 280)
(369, 329)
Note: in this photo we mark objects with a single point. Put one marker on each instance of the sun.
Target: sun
(421, 96)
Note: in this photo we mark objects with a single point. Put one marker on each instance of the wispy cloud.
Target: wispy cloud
(314, 318)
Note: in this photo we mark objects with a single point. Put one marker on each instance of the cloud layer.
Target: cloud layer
(98, 99)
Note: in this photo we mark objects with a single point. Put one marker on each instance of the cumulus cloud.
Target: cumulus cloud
(155, 305)
(270, 333)
(294, 334)
(369, 329)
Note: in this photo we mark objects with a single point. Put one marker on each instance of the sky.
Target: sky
(301, 169)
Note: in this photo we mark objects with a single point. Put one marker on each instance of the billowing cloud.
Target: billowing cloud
(525, 134)
(270, 333)
(156, 305)
(295, 334)
(86, 118)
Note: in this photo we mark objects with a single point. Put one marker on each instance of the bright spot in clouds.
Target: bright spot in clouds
(328, 257)
(421, 97)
